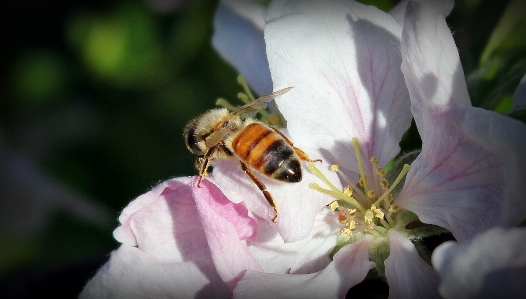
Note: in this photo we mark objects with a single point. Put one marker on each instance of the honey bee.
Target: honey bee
(219, 134)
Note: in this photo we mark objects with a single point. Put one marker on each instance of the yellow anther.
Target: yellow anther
(345, 232)
(380, 171)
(371, 194)
(393, 208)
(352, 213)
(374, 160)
(368, 217)
(390, 198)
(334, 205)
(378, 213)
(335, 167)
(384, 183)
(347, 191)
(352, 225)
(360, 182)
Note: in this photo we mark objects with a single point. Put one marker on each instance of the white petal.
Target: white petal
(343, 59)
(305, 256)
(431, 64)
(469, 175)
(398, 12)
(131, 273)
(349, 267)
(407, 274)
(519, 97)
(492, 265)
(297, 203)
(238, 37)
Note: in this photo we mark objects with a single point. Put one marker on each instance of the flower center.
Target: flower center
(361, 208)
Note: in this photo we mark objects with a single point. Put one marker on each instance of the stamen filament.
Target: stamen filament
(225, 104)
(388, 217)
(381, 230)
(243, 97)
(318, 173)
(405, 169)
(360, 165)
(351, 183)
(385, 223)
(338, 194)
(242, 82)
(375, 233)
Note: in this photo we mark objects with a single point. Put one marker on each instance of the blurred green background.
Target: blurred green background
(94, 96)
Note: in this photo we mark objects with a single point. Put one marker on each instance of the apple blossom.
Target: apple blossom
(350, 102)
(350, 105)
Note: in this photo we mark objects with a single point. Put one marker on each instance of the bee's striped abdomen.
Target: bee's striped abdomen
(267, 152)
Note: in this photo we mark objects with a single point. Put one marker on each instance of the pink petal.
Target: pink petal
(492, 265)
(164, 223)
(343, 60)
(468, 176)
(226, 226)
(349, 267)
(297, 203)
(131, 273)
(305, 256)
(407, 274)
(430, 60)
(238, 37)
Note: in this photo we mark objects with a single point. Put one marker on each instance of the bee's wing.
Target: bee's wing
(259, 103)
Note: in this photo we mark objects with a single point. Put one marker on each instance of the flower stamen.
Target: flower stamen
(362, 209)
(404, 171)
(363, 177)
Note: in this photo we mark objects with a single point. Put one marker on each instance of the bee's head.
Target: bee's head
(199, 128)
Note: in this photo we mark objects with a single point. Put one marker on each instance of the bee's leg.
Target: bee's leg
(204, 164)
(301, 154)
(261, 187)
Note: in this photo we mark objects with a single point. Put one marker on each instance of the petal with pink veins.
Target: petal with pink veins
(227, 227)
(343, 60)
(468, 176)
(407, 274)
(430, 60)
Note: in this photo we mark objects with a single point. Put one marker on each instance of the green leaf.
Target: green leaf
(509, 34)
